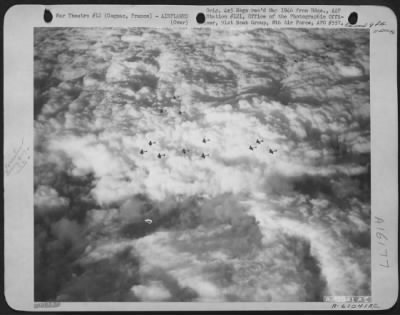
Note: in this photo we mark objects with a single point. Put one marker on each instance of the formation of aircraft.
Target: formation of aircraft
(162, 109)
(205, 140)
(252, 147)
(203, 155)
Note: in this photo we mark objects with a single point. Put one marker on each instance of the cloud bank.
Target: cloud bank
(269, 202)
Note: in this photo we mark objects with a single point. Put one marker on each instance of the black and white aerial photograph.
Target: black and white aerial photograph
(201, 164)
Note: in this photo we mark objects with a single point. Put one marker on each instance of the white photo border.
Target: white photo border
(19, 24)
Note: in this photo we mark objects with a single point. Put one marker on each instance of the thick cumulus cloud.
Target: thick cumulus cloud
(249, 151)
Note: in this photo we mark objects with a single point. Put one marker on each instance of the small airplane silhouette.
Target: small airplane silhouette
(272, 151)
(259, 141)
(142, 151)
(204, 155)
(160, 155)
(206, 140)
(152, 142)
(252, 148)
(148, 221)
(184, 151)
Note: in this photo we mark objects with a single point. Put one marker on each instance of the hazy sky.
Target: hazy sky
(237, 225)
